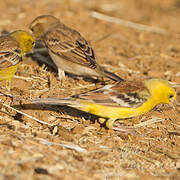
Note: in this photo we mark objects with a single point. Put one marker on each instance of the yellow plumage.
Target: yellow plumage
(121, 100)
(12, 48)
(7, 74)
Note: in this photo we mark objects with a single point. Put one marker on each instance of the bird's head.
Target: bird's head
(42, 24)
(25, 40)
(161, 91)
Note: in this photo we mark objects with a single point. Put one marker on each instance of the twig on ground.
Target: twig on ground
(30, 78)
(147, 159)
(69, 146)
(31, 117)
(83, 86)
(130, 24)
(148, 122)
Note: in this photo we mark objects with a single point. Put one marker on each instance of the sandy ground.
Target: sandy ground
(76, 147)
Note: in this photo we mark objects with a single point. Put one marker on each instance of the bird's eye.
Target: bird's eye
(18, 51)
(171, 96)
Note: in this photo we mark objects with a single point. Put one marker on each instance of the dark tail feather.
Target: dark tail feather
(112, 76)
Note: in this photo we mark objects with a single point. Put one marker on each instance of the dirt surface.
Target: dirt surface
(76, 147)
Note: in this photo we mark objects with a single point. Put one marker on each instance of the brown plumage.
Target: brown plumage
(10, 52)
(68, 49)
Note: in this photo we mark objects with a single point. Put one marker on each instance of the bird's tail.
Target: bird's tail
(112, 76)
(59, 101)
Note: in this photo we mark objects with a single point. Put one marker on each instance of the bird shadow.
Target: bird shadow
(60, 109)
(76, 113)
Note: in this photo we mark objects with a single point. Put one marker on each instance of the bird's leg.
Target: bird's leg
(102, 120)
(110, 123)
(61, 74)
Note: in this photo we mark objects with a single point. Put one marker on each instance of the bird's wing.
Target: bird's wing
(10, 53)
(70, 45)
(123, 94)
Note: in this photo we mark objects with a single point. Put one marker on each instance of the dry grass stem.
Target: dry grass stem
(31, 117)
(30, 78)
(69, 146)
(149, 122)
(129, 24)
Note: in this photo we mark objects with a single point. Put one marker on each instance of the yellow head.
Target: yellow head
(25, 40)
(42, 24)
(161, 91)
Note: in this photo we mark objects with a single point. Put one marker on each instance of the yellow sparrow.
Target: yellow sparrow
(12, 48)
(119, 101)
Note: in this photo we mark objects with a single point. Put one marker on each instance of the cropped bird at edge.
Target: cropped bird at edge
(13, 46)
(119, 101)
(68, 49)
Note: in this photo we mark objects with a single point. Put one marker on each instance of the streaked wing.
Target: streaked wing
(124, 94)
(10, 53)
(70, 45)
(8, 59)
